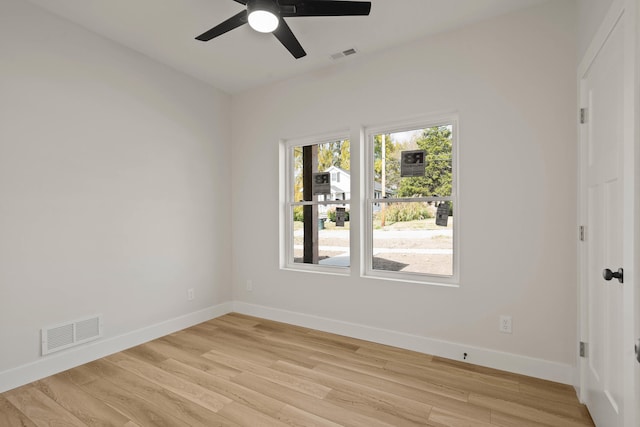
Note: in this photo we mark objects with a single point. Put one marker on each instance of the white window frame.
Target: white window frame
(369, 200)
(286, 196)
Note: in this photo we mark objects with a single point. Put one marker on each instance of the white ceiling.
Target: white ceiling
(242, 59)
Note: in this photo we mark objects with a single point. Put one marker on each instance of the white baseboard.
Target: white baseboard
(51, 365)
(539, 368)
(59, 362)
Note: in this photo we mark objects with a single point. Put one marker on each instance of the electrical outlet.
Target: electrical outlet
(191, 294)
(249, 285)
(505, 324)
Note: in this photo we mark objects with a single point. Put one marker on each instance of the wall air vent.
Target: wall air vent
(64, 335)
(344, 53)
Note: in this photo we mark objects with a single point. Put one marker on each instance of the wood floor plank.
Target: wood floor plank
(524, 411)
(304, 338)
(269, 351)
(444, 418)
(506, 420)
(199, 362)
(240, 320)
(247, 416)
(397, 413)
(80, 375)
(239, 370)
(297, 417)
(88, 409)
(140, 411)
(550, 391)
(307, 403)
(308, 346)
(222, 385)
(349, 359)
(10, 416)
(502, 388)
(464, 382)
(150, 354)
(188, 390)
(185, 409)
(189, 342)
(401, 385)
(390, 353)
(295, 383)
(244, 351)
(461, 406)
(40, 409)
(485, 375)
(346, 392)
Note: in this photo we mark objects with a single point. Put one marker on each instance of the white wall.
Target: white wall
(114, 185)
(512, 80)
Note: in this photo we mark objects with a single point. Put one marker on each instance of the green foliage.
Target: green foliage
(331, 214)
(400, 212)
(334, 154)
(437, 142)
(298, 213)
(297, 174)
(392, 161)
(345, 155)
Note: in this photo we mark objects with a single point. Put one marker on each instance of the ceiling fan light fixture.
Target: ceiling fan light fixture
(263, 15)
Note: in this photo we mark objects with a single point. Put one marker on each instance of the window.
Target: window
(317, 202)
(411, 202)
(408, 203)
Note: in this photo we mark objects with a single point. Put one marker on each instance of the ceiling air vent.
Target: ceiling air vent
(344, 53)
(65, 335)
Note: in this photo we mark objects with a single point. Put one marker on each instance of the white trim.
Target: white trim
(59, 362)
(286, 192)
(606, 27)
(524, 365)
(631, 209)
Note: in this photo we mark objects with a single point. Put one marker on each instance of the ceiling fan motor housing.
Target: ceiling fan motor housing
(263, 15)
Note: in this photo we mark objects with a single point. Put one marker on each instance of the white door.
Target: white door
(602, 93)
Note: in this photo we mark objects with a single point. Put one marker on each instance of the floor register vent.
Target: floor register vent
(69, 334)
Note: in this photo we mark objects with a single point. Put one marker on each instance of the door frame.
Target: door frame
(630, 10)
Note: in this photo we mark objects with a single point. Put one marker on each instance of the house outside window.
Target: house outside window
(318, 191)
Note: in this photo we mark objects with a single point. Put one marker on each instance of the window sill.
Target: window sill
(418, 279)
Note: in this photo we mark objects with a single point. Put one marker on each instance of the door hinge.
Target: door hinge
(583, 115)
(581, 233)
(583, 349)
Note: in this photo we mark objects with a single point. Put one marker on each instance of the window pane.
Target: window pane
(332, 157)
(331, 226)
(298, 186)
(412, 237)
(415, 163)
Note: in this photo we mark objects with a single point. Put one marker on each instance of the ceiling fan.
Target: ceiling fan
(266, 16)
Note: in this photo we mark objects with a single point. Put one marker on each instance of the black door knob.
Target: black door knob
(608, 275)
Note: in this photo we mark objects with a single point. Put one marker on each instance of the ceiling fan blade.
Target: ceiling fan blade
(244, 2)
(286, 37)
(327, 8)
(228, 25)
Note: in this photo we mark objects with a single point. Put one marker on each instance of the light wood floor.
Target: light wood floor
(243, 371)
